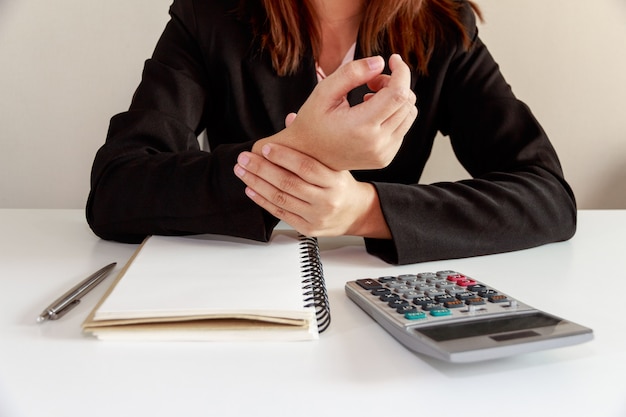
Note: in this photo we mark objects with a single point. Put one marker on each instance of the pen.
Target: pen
(71, 298)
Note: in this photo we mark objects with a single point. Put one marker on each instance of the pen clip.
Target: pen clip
(71, 299)
(63, 311)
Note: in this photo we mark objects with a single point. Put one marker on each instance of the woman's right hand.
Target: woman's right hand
(365, 136)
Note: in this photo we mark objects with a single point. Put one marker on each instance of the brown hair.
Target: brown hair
(412, 28)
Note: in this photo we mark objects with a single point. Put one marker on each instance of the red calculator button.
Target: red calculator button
(456, 277)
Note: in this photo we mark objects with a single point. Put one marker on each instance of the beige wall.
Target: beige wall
(567, 61)
(68, 65)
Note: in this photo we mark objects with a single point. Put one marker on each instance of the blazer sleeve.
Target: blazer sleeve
(517, 197)
(150, 176)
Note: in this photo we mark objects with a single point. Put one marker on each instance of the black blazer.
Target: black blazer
(208, 73)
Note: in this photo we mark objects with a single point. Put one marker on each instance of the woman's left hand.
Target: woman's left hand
(312, 198)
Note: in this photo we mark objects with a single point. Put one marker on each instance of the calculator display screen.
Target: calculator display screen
(491, 327)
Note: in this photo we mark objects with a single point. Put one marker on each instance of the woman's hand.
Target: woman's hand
(365, 136)
(309, 196)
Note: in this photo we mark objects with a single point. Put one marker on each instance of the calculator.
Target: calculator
(455, 318)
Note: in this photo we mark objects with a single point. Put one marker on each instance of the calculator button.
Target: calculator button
(435, 292)
(386, 279)
(445, 284)
(408, 308)
(377, 292)
(420, 301)
(487, 293)
(475, 301)
(456, 277)
(398, 303)
(477, 288)
(407, 277)
(455, 290)
(431, 306)
(465, 282)
(424, 286)
(403, 289)
(395, 284)
(444, 298)
(409, 295)
(368, 283)
(445, 274)
(440, 312)
(389, 297)
(454, 304)
(465, 295)
(498, 298)
(415, 315)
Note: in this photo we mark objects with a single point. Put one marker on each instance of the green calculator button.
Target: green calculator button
(439, 312)
(415, 315)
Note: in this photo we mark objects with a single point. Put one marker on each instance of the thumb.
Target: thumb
(290, 118)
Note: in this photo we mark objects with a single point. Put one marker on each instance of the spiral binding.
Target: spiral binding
(314, 287)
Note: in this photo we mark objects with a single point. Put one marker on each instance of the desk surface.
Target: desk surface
(51, 369)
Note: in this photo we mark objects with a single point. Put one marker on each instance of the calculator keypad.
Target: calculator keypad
(434, 294)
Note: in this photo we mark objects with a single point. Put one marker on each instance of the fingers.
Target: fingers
(393, 102)
(400, 74)
(379, 82)
(350, 76)
(286, 169)
(260, 177)
(282, 180)
(402, 121)
(308, 208)
(392, 92)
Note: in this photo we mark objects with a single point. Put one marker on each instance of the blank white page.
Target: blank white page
(208, 274)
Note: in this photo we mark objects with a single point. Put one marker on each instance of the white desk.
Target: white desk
(355, 368)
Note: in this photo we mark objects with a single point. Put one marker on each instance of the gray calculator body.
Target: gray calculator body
(452, 317)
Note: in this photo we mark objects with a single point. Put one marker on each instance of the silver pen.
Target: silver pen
(71, 298)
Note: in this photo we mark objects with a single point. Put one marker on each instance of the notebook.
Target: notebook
(209, 288)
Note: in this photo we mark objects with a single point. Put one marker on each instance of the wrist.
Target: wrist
(284, 137)
(370, 222)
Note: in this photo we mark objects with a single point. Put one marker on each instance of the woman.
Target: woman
(354, 146)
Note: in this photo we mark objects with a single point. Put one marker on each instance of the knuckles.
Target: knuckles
(350, 71)
(400, 95)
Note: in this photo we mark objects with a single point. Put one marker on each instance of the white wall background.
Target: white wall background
(68, 65)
